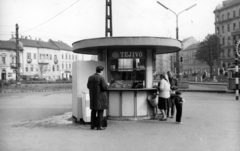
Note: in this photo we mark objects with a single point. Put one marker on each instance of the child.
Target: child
(178, 102)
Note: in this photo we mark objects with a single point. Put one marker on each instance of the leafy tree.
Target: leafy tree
(209, 51)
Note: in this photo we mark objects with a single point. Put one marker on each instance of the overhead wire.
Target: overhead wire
(51, 18)
(34, 8)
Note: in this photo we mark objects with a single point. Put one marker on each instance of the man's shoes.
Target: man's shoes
(100, 128)
(163, 119)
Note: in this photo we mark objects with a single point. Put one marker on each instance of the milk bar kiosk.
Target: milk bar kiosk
(128, 64)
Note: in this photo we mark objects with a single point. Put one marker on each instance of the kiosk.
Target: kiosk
(129, 63)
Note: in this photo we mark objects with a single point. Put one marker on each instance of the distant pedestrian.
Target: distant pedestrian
(98, 98)
(164, 95)
(179, 103)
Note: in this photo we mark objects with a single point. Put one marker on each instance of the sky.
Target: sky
(73, 20)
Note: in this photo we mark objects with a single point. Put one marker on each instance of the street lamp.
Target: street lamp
(177, 54)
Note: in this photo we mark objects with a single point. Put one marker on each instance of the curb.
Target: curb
(207, 91)
(208, 83)
(34, 91)
(52, 90)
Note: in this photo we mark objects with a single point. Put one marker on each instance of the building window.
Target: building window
(57, 67)
(53, 68)
(228, 27)
(234, 39)
(47, 56)
(229, 40)
(50, 57)
(229, 53)
(63, 66)
(217, 30)
(44, 56)
(26, 69)
(222, 29)
(55, 57)
(28, 55)
(3, 60)
(32, 68)
(222, 17)
(234, 26)
(35, 56)
(228, 15)
(223, 41)
(234, 13)
(13, 58)
(217, 18)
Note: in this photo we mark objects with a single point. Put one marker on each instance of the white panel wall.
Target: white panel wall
(80, 72)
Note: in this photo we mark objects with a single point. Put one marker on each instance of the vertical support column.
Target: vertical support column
(17, 57)
(108, 18)
(236, 69)
(149, 69)
(236, 78)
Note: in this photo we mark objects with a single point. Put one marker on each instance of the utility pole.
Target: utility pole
(177, 30)
(17, 57)
(108, 18)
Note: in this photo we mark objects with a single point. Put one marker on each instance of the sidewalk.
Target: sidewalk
(210, 122)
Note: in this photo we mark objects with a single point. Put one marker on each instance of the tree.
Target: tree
(209, 51)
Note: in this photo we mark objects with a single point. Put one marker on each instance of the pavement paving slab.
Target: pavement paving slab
(211, 122)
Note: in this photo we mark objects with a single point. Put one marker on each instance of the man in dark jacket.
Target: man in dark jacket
(174, 86)
(98, 98)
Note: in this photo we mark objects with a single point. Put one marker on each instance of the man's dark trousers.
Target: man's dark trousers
(171, 107)
(96, 119)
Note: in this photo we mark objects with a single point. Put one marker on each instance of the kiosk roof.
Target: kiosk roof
(160, 44)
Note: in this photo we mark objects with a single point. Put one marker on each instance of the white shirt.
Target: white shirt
(164, 89)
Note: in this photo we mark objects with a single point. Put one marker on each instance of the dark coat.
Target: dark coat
(97, 89)
(178, 100)
(173, 83)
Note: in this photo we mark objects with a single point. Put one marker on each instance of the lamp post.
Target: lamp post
(177, 54)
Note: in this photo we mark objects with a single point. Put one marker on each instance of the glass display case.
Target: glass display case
(128, 72)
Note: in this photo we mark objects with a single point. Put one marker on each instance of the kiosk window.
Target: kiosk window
(127, 73)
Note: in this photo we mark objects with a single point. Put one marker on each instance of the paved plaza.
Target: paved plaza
(43, 122)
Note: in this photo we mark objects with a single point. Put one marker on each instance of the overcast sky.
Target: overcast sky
(74, 20)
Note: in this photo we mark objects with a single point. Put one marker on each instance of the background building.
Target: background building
(185, 43)
(8, 60)
(227, 27)
(49, 60)
(190, 64)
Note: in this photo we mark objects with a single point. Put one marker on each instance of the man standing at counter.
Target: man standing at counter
(98, 98)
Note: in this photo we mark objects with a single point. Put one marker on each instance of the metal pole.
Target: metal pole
(236, 78)
(236, 69)
(17, 56)
(177, 53)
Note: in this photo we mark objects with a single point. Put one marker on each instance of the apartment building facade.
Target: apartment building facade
(50, 60)
(8, 60)
(227, 27)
